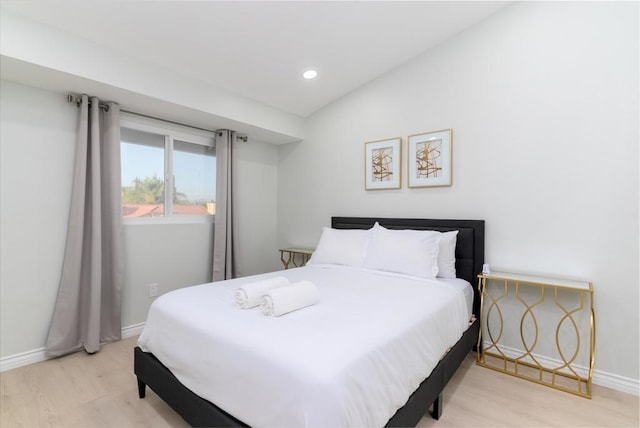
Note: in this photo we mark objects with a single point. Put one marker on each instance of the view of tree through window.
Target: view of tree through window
(189, 168)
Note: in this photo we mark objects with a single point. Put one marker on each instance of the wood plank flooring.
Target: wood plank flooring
(100, 390)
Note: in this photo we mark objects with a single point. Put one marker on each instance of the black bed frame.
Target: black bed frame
(469, 259)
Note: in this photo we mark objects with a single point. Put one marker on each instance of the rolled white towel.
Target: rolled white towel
(250, 295)
(290, 298)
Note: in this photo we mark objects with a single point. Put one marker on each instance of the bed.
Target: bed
(197, 411)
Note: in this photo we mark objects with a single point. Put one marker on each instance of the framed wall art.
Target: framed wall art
(430, 159)
(382, 164)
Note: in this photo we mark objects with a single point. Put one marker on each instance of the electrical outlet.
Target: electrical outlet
(153, 289)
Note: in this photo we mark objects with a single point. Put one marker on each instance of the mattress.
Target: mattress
(353, 359)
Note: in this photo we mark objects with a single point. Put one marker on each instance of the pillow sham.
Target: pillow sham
(341, 247)
(410, 252)
(447, 254)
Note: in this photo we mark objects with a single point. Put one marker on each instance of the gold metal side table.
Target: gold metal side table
(543, 306)
(295, 257)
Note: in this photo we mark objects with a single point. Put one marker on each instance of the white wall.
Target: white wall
(256, 194)
(37, 134)
(543, 102)
(37, 146)
(170, 255)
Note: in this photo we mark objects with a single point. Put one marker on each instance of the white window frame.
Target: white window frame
(171, 132)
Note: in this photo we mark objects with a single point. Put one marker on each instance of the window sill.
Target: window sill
(176, 219)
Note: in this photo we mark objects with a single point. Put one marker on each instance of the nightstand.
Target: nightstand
(295, 257)
(544, 309)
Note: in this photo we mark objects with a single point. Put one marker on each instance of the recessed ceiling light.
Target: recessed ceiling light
(310, 74)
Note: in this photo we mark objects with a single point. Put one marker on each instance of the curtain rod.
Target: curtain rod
(78, 100)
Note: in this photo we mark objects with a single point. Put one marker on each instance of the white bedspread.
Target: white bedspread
(353, 359)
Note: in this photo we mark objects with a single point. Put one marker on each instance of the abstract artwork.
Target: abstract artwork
(430, 159)
(383, 164)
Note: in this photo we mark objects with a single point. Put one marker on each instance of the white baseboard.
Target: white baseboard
(608, 380)
(132, 330)
(37, 355)
(22, 359)
(617, 382)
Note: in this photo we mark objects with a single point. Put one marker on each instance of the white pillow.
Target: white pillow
(409, 252)
(341, 247)
(447, 254)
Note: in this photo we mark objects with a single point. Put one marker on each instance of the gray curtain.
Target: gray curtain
(224, 264)
(87, 311)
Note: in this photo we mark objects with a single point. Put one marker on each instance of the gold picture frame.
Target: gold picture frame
(429, 163)
(383, 164)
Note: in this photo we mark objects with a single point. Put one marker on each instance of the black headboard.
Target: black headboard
(469, 244)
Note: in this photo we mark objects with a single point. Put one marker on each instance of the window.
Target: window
(167, 173)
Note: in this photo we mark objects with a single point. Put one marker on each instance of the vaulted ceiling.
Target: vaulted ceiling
(259, 50)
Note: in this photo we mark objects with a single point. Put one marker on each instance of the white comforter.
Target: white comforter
(353, 359)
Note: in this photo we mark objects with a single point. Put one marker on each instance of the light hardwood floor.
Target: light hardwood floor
(100, 390)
